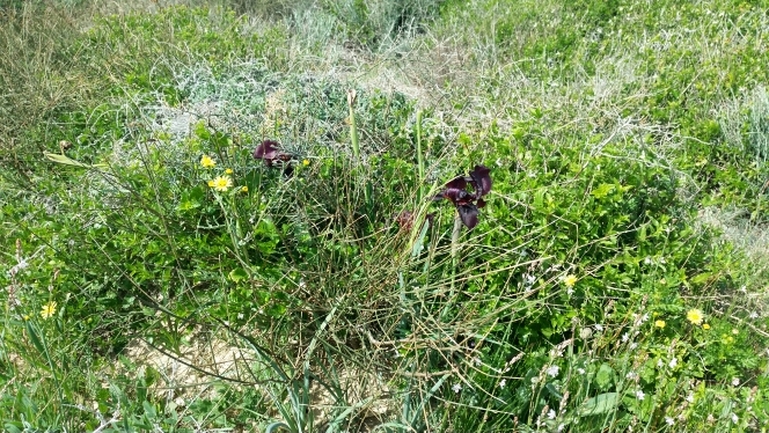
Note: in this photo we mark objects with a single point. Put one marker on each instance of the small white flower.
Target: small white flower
(477, 361)
(735, 418)
(735, 381)
(560, 428)
(633, 345)
(743, 289)
(662, 260)
(625, 337)
(529, 280)
(673, 362)
(631, 375)
(569, 291)
(640, 395)
(502, 383)
(240, 316)
(648, 261)
(553, 370)
(644, 318)
(179, 402)
(551, 414)
(669, 420)
(23, 264)
(753, 315)
(599, 328)
(660, 363)
(456, 388)
(581, 371)
(690, 398)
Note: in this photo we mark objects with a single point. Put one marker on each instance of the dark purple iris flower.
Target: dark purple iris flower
(269, 151)
(466, 202)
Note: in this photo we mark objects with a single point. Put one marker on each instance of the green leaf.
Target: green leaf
(36, 341)
(238, 274)
(149, 410)
(605, 376)
(201, 131)
(599, 405)
(64, 159)
(603, 190)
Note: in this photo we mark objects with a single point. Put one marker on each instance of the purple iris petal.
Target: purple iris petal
(269, 151)
(466, 202)
(469, 215)
(481, 180)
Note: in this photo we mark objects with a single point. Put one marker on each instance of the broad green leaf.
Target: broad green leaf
(600, 404)
(605, 376)
(238, 274)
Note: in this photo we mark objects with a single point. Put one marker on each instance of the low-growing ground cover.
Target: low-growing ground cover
(384, 216)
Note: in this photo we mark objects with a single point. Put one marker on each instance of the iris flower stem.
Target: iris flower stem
(454, 249)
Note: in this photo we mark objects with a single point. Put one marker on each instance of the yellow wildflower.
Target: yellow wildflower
(228, 171)
(221, 183)
(306, 162)
(705, 326)
(659, 324)
(207, 162)
(570, 280)
(694, 316)
(48, 310)
(244, 188)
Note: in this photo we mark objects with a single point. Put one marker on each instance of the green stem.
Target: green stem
(454, 248)
(351, 96)
(420, 158)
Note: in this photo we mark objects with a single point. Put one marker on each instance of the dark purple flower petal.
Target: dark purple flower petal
(457, 196)
(266, 150)
(458, 182)
(481, 180)
(269, 151)
(469, 215)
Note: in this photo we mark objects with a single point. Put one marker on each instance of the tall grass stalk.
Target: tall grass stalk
(351, 97)
(420, 158)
